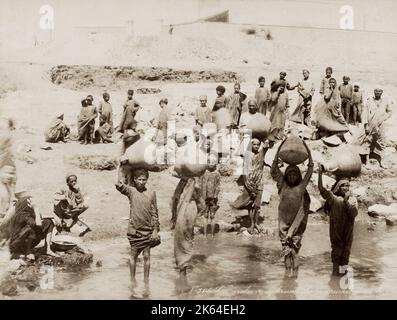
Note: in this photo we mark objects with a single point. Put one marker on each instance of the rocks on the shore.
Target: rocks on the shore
(86, 76)
(391, 220)
(360, 192)
(315, 204)
(382, 211)
(94, 162)
(28, 274)
(148, 90)
(328, 182)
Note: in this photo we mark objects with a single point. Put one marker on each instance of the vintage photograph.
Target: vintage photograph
(198, 150)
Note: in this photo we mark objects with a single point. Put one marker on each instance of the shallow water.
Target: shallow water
(236, 267)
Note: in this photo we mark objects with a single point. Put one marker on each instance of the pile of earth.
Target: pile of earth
(113, 77)
(148, 90)
(94, 162)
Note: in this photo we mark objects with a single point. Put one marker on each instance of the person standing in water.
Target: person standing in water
(343, 209)
(293, 209)
(143, 226)
(251, 196)
(210, 188)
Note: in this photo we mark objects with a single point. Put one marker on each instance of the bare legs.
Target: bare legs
(146, 268)
(133, 258)
(254, 215)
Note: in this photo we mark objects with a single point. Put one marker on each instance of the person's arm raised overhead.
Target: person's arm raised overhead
(310, 166)
(275, 171)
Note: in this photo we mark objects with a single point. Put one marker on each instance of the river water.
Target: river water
(236, 267)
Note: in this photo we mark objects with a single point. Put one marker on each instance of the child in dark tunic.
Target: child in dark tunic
(343, 209)
(143, 224)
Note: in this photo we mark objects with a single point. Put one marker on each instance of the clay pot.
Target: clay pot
(293, 150)
(345, 162)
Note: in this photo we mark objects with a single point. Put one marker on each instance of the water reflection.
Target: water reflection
(232, 267)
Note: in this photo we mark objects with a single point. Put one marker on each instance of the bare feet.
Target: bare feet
(30, 257)
(383, 166)
(52, 253)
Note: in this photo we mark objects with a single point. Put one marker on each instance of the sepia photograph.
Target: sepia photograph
(212, 150)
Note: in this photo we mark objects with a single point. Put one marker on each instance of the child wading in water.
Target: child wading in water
(251, 196)
(343, 209)
(143, 224)
(293, 209)
(210, 186)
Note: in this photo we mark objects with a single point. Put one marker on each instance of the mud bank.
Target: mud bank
(84, 76)
(28, 276)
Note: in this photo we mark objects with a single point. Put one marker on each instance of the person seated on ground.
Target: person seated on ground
(57, 131)
(251, 179)
(203, 113)
(69, 204)
(105, 130)
(86, 120)
(143, 226)
(373, 140)
(210, 188)
(293, 209)
(343, 209)
(28, 229)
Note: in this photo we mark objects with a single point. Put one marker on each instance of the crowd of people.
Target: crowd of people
(339, 108)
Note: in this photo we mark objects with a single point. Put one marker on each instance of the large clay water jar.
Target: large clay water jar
(209, 129)
(293, 150)
(190, 161)
(222, 118)
(190, 170)
(345, 162)
(141, 155)
(260, 126)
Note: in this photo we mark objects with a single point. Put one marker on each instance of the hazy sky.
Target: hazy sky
(21, 17)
